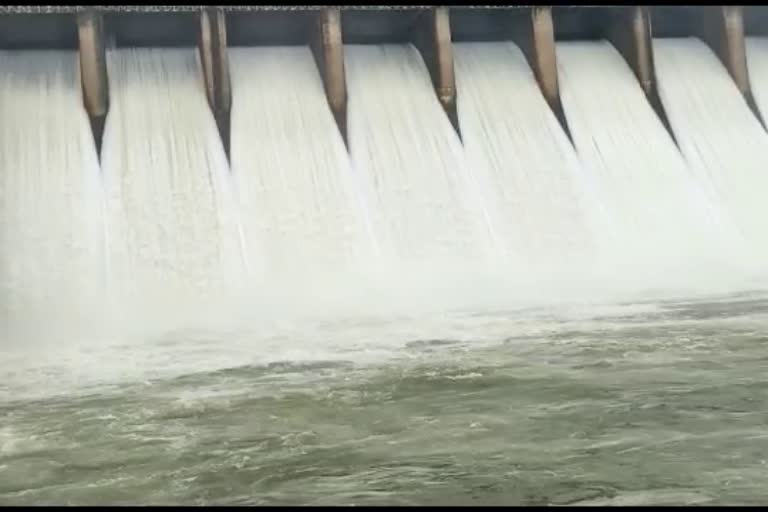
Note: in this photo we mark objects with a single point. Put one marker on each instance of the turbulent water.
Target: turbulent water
(661, 403)
(429, 383)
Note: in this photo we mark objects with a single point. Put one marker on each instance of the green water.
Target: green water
(663, 403)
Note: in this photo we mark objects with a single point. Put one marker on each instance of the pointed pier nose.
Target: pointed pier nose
(530, 28)
(427, 28)
(432, 29)
(93, 72)
(328, 49)
(213, 56)
(721, 27)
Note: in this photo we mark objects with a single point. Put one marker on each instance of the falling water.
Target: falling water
(302, 210)
(721, 139)
(423, 197)
(529, 169)
(51, 268)
(173, 229)
(660, 213)
(757, 63)
(651, 402)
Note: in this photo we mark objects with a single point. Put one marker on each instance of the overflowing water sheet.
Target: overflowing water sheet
(424, 199)
(173, 230)
(660, 215)
(757, 63)
(723, 142)
(51, 220)
(535, 188)
(304, 218)
(644, 402)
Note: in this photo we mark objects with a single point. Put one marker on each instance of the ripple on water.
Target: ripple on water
(569, 412)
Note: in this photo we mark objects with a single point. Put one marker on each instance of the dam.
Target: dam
(344, 255)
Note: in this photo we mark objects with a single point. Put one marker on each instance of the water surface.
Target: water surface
(648, 403)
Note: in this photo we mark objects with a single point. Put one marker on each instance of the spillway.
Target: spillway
(650, 195)
(51, 221)
(172, 225)
(383, 255)
(349, 157)
(426, 210)
(723, 142)
(300, 199)
(536, 191)
(355, 155)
